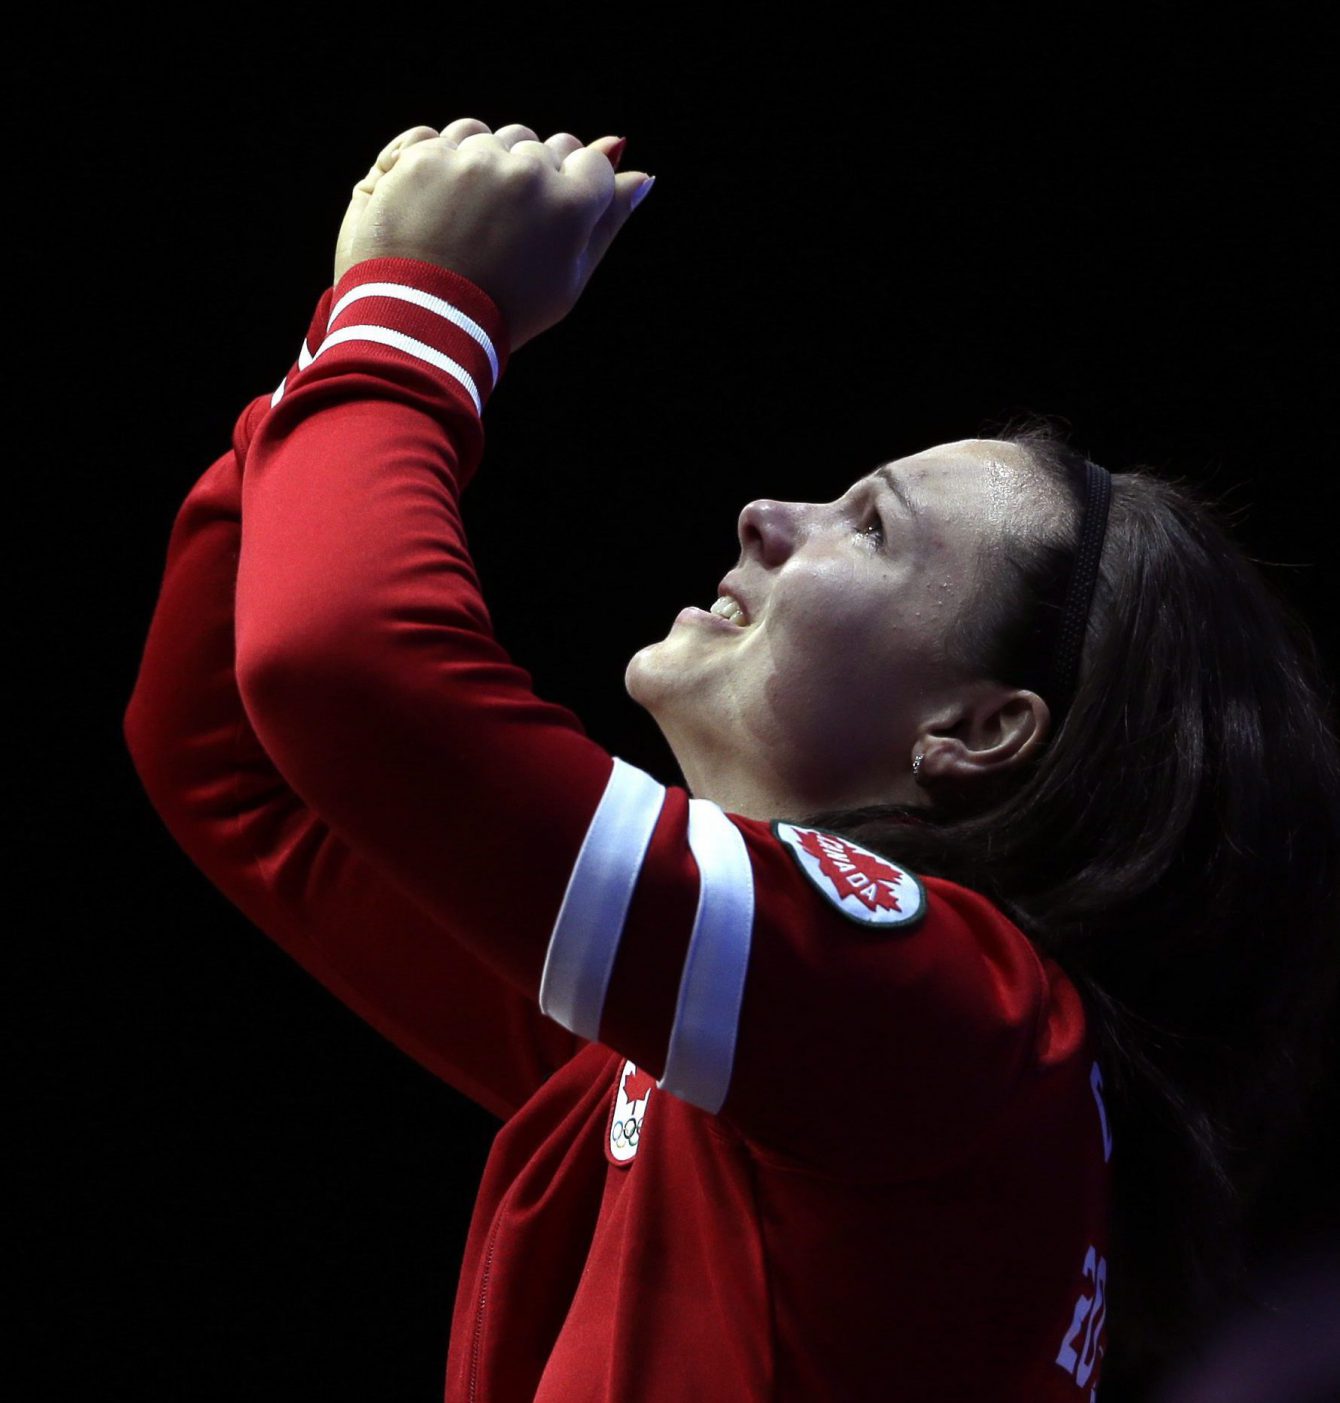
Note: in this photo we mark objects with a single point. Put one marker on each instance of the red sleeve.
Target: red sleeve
(820, 1000)
(321, 900)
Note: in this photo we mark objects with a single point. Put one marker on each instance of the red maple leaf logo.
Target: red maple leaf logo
(637, 1084)
(853, 872)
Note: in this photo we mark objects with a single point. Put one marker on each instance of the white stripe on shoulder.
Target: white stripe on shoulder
(388, 336)
(586, 935)
(429, 303)
(701, 1056)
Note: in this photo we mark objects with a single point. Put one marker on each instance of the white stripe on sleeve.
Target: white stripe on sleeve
(701, 1056)
(304, 360)
(389, 336)
(586, 935)
(430, 303)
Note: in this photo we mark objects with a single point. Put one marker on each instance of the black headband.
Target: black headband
(1096, 487)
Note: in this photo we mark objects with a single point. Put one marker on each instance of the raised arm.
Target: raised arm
(336, 913)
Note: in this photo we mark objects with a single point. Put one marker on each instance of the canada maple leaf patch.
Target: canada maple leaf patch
(866, 887)
(623, 1134)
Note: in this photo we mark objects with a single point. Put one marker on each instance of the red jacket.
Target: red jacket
(782, 1120)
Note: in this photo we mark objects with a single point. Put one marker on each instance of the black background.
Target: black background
(863, 241)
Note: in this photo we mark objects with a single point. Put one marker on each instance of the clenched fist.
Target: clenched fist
(525, 220)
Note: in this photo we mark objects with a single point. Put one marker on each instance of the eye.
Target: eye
(871, 521)
(873, 525)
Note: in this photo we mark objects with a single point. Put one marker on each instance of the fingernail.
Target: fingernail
(616, 151)
(641, 192)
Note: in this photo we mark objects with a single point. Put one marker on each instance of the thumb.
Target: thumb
(387, 158)
(363, 192)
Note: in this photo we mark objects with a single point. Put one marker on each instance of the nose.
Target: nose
(768, 529)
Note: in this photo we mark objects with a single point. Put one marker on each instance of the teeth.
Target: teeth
(728, 608)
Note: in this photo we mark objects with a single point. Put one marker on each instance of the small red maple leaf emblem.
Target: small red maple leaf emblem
(852, 871)
(637, 1083)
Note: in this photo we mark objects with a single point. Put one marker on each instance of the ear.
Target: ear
(989, 733)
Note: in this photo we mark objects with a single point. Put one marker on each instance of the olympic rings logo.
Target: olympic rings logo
(625, 1132)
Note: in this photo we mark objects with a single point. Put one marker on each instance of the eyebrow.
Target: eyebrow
(885, 473)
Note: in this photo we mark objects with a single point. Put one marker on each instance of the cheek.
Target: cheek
(840, 617)
(836, 651)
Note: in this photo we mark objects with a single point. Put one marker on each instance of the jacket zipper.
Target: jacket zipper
(483, 1296)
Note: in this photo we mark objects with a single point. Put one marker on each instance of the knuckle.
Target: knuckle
(463, 127)
(421, 159)
(524, 168)
(472, 156)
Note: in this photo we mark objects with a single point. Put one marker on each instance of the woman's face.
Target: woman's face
(841, 674)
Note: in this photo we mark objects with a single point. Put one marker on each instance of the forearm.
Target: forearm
(366, 657)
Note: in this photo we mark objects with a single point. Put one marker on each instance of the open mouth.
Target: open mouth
(706, 616)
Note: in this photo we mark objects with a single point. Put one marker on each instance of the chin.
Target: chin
(638, 676)
(658, 680)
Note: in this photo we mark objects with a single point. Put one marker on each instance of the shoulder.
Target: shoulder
(864, 973)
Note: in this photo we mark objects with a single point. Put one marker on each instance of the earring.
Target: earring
(916, 764)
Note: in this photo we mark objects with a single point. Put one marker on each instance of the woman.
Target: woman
(993, 945)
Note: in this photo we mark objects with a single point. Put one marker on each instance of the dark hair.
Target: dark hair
(1175, 847)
